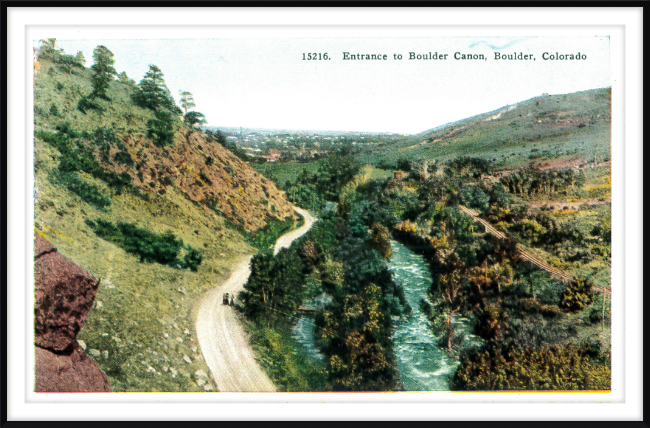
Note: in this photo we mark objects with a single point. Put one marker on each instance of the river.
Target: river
(422, 364)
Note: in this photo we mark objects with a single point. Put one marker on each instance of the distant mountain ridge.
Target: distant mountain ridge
(576, 124)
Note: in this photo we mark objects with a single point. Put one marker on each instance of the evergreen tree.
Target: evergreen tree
(48, 47)
(123, 78)
(187, 101)
(51, 43)
(194, 118)
(152, 92)
(103, 71)
(161, 129)
(80, 58)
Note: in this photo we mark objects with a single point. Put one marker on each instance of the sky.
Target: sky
(265, 83)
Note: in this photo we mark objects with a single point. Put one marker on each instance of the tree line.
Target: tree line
(150, 93)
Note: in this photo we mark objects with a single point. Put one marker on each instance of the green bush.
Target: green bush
(594, 316)
(546, 289)
(54, 111)
(404, 164)
(161, 129)
(86, 104)
(475, 197)
(150, 247)
(87, 192)
(124, 158)
(192, 259)
(577, 294)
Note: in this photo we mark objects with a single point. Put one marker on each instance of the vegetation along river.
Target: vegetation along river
(423, 365)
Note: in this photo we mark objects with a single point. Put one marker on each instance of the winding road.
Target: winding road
(222, 339)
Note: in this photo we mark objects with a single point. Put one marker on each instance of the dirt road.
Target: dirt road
(285, 240)
(222, 338)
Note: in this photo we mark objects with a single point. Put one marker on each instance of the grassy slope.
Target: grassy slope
(121, 115)
(531, 128)
(143, 312)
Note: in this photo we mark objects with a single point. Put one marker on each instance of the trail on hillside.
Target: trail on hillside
(222, 338)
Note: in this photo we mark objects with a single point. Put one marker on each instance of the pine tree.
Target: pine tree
(48, 44)
(123, 78)
(161, 128)
(152, 92)
(194, 118)
(187, 101)
(103, 71)
(80, 58)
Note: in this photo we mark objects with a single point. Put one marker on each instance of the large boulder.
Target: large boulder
(64, 294)
(73, 372)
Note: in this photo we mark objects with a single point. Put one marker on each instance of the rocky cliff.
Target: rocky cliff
(64, 293)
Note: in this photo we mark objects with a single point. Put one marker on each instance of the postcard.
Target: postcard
(242, 210)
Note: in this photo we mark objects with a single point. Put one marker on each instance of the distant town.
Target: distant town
(273, 145)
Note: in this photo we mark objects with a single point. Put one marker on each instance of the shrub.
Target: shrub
(87, 192)
(603, 230)
(161, 129)
(532, 332)
(124, 158)
(192, 258)
(562, 368)
(265, 237)
(594, 316)
(469, 167)
(385, 165)
(380, 240)
(530, 230)
(475, 197)
(54, 111)
(577, 294)
(489, 322)
(86, 104)
(546, 289)
(148, 246)
(404, 164)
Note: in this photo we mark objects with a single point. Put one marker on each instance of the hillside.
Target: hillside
(157, 224)
(550, 126)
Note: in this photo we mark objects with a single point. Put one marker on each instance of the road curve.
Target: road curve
(285, 240)
(222, 338)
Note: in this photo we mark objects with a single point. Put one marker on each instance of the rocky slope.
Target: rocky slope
(206, 173)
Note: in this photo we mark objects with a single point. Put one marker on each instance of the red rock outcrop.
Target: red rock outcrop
(76, 372)
(64, 294)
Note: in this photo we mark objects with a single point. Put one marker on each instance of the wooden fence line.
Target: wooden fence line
(563, 276)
